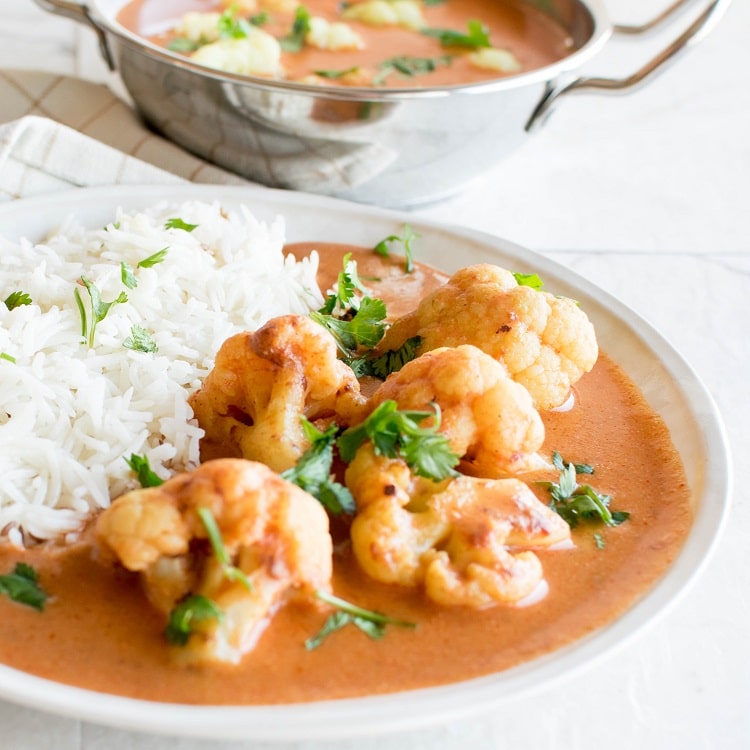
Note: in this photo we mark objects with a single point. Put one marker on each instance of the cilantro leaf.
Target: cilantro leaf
(295, 40)
(397, 434)
(406, 238)
(140, 340)
(371, 623)
(231, 572)
(348, 283)
(382, 365)
(17, 299)
(182, 44)
(335, 74)
(313, 471)
(576, 503)
(232, 26)
(99, 308)
(189, 611)
(152, 260)
(7, 357)
(408, 67)
(177, 223)
(364, 329)
(22, 586)
(476, 36)
(528, 279)
(142, 468)
(127, 276)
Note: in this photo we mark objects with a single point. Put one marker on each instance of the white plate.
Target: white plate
(667, 381)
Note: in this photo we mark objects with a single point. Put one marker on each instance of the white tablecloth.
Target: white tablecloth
(645, 195)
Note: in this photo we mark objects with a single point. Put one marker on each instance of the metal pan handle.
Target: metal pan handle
(691, 36)
(79, 12)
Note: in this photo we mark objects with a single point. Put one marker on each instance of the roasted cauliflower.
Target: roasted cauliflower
(545, 342)
(273, 545)
(251, 402)
(466, 541)
(489, 420)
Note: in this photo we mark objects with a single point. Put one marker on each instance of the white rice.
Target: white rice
(70, 414)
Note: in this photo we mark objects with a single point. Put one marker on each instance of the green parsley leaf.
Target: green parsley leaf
(231, 572)
(177, 223)
(99, 308)
(140, 340)
(142, 468)
(405, 239)
(364, 329)
(183, 45)
(384, 364)
(183, 617)
(528, 279)
(476, 36)
(22, 586)
(397, 434)
(371, 623)
(313, 471)
(576, 503)
(127, 276)
(335, 74)
(295, 40)
(17, 299)
(155, 259)
(408, 67)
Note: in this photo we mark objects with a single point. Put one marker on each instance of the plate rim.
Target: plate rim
(367, 716)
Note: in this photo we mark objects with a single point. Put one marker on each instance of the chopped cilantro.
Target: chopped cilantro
(140, 340)
(364, 329)
(177, 223)
(22, 586)
(371, 623)
(528, 279)
(182, 45)
(405, 239)
(155, 259)
(142, 468)
(295, 40)
(17, 299)
(408, 67)
(476, 36)
(231, 572)
(127, 275)
(382, 365)
(335, 74)
(183, 617)
(99, 308)
(313, 471)
(7, 357)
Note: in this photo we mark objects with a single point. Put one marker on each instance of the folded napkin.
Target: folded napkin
(58, 132)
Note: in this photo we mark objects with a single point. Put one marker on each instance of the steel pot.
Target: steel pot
(391, 147)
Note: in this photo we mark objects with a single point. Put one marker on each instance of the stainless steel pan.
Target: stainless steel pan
(385, 146)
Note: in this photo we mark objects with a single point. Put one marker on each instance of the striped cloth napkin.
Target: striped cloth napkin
(58, 132)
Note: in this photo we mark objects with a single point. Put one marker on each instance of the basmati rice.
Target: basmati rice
(70, 413)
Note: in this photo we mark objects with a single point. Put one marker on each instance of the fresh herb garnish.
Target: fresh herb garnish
(406, 238)
(99, 308)
(231, 572)
(313, 471)
(397, 434)
(183, 617)
(127, 276)
(232, 26)
(17, 299)
(348, 284)
(7, 357)
(140, 340)
(22, 586)
(476, 36)
(295, 40)
(335, 74)
(142, 468)
(528, 279)
(177, 223)
(408, 66)
(182, 44)
(371, 623)
(576, 503)
(382, 365)
(363, 330)
(155, 259)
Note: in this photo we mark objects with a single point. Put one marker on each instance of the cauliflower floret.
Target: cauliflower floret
(491, 58)
(272, 531)
(465, 540)
(332, 36)
(261, 383)
(489, 420)
(545, 342)
(406, 13)
(199, 27)
(259, 53)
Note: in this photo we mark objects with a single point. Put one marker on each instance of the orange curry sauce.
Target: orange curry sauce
(97, 630)
(534, 38)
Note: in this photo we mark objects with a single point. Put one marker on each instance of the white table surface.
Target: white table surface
(646, 195)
